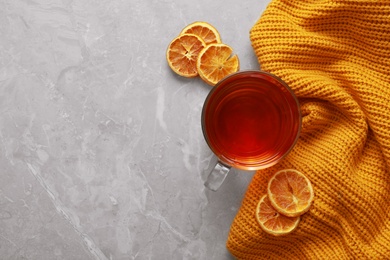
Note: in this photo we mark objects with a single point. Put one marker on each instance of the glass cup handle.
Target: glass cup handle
(218, 173)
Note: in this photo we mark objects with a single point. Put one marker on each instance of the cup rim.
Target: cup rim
(230, 162)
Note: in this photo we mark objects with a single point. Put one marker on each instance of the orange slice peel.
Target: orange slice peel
(290, 192)
(204, 30)
(215, 62)
(271, 221)
(182, 54)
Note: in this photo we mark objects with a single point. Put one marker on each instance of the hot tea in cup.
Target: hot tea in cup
(250, 120)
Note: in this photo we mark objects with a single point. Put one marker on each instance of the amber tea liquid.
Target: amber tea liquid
(251, 120)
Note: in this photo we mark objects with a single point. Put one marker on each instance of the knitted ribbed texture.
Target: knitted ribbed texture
(335, 55)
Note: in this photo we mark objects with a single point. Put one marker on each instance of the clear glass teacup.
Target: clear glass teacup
(250, 120)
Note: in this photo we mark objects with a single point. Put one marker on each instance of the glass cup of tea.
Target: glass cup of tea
(250, 121)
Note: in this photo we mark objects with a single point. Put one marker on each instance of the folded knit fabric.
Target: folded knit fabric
(335, 55)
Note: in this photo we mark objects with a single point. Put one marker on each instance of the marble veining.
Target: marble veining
(101, 148)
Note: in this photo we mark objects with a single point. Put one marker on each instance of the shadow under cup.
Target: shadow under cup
(251, 120)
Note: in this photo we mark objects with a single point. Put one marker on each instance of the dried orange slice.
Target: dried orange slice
(182, 54)
(204, 30)
(215, 62)
(272, 221)
(290, 192)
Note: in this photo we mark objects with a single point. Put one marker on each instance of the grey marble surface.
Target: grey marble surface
(101, 149)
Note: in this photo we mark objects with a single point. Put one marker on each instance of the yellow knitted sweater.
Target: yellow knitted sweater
(335, 55)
